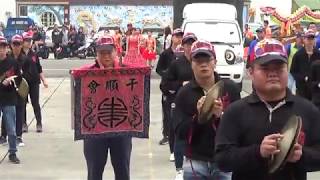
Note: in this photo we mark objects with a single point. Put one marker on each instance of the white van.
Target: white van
(217, 23)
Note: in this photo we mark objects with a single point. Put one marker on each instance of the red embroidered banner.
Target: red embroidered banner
(111, 102)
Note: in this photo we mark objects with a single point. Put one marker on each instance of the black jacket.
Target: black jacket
(72, 36)
(8, 94)
(300, 70)
(24, 64)
(80, 39)
(178, 72)
(315, 82)
(37, 36)
(246, 123)
(32, 68)
(165, 59)
(200, 138)
(56, 36)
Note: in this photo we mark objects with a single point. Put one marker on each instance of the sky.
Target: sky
(283, 6)
(10, 6)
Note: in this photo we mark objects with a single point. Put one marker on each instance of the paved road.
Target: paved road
(60, 68)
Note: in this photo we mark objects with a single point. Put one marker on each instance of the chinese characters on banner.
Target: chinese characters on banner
(111, 102)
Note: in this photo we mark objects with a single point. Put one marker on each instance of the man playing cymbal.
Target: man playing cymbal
(249, 134)
(189, 101)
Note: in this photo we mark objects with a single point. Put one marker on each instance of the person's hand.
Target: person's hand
(45, 84)
(8, 81)
(269, 145)
(296, 153)
(200, 103)
(217, 108)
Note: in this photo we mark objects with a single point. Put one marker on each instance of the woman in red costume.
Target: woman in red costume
(149, 53)
(133, 55)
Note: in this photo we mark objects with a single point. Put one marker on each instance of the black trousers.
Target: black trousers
(166, 113)
(34, 97)
(96, 154)
(20, 118)
(167, 130)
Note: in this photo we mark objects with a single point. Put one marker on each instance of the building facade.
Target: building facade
(9, 10)
(44, 12)
(96, 13)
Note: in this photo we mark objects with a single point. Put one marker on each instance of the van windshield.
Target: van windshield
(216, 32)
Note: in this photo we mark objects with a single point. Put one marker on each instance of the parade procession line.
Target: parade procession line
(54, 155)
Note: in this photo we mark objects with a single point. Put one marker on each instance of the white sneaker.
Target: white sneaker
(20, 142)
(171, 157)
(179, 175)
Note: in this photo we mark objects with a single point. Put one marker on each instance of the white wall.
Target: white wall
(7, 6)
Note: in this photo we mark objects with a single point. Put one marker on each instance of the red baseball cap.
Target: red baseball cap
(26, 35)
(105, 42)
(177, 31)
(270, 50)
(309, 34)
(17, 38)
(189, 37)
(202, 47)
(3, 40)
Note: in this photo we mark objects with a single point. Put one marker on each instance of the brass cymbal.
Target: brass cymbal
(290, 134)
(213, 94)
(23, 88)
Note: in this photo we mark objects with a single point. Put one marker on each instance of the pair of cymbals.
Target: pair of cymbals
(290, 134)
(213, 94)
(23, 89)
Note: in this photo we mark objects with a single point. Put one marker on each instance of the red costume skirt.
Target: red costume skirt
(149, 55)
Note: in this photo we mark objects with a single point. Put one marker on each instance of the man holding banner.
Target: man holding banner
(111, 104)
(96, 150)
